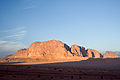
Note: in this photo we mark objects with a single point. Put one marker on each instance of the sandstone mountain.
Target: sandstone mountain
(82, 52)
(49, 49)
(22, 53)
(94, 53)
(54, 49)
(110, 54)
(77, 50)
(44, 50)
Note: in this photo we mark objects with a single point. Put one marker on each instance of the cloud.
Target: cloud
(2, 42)
(18, 35)
(10, 47)
(13, 29)
(10, 41)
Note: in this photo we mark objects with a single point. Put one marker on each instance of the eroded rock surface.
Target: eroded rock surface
(93, 53)
(49, 49)
(78, 51)
(75, 49)
(54, 49)
(22, 53)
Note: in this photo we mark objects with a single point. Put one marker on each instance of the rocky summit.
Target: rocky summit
(54, 49)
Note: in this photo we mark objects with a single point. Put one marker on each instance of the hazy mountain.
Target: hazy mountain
(118, 52)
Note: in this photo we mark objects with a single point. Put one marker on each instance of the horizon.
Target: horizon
(93, 24)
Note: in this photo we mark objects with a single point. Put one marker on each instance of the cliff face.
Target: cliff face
(94, 53)
(75, 49)
(110, 54)
(54, 49)
(78, 51)
(49, 49)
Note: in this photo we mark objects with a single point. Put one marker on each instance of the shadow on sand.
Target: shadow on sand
(91, 69)
(89, 64)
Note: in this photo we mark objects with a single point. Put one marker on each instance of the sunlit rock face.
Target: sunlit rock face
(78, 51)
(75, 49)
(54, 49)
(22, 53)
(110, 54)
(91, 53)
(49, 49)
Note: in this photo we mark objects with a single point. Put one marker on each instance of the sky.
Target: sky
(93, 24)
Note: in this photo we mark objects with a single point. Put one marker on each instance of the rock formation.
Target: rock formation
(75, 49)
(91, 53)
(110, 54)
(22, 53)
(84, 51)
(54, 49)
(51, 49)
(78, 51)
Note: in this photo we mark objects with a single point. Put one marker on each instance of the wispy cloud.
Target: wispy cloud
(10, 40)
(11, 45)
(13, 29)
(3, 42)
(18, 35)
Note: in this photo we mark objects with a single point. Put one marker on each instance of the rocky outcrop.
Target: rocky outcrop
(22, 53)
(49, 49)
(54, 49)
(78, 51)
(110, 54)
(75, 49)
(91, 53)
(84, 51)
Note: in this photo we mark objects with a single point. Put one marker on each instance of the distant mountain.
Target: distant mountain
(110, 54)
(118, 52)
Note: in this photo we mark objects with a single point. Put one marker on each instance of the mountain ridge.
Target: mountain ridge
(55, 50)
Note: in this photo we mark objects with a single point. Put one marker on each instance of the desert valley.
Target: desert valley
(55, 60)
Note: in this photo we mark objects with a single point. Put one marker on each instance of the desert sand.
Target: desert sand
(91, 69)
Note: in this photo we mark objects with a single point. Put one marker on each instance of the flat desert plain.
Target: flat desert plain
(91, 69)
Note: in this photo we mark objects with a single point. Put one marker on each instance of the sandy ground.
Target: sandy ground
(91, 69)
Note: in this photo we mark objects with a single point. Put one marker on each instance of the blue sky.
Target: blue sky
(94, 24)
